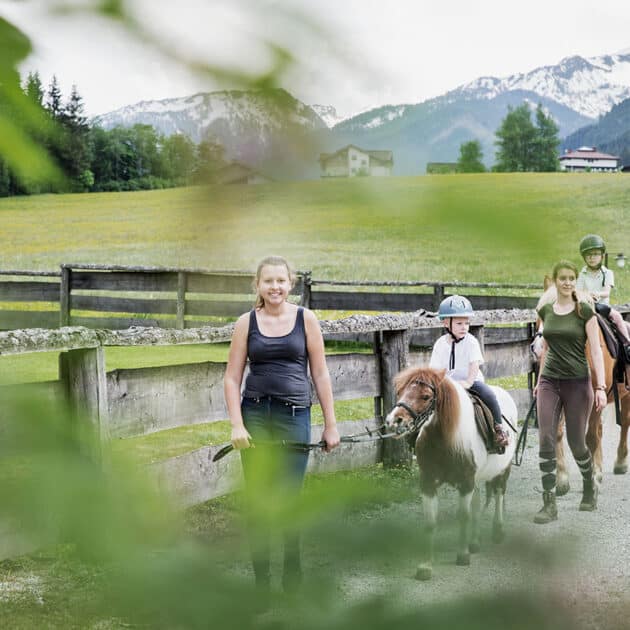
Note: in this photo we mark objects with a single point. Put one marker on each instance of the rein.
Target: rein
(369, 435)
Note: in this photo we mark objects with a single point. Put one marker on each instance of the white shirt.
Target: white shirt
(596, 282)
(466, 351)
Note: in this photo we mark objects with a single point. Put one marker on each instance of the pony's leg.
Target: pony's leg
(621, 463)
(499, 486)
(430, 508)
(475, 530)
(562, 476)
(465, 501)
(594, 442)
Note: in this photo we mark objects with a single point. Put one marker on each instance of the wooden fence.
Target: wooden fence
(134, 402)
(106, 296)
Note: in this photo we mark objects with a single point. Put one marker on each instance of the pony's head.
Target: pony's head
(420, 392)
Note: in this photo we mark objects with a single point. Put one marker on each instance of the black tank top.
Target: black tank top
(278, 365)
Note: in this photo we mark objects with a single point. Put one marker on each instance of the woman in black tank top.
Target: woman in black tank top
(281, 341)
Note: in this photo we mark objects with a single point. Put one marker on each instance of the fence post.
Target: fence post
(393, 356)
(438, 296)
(84, 380)
(306, 290)
(181, 300)
(65, 287)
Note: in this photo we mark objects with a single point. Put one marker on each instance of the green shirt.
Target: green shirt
(566, 340)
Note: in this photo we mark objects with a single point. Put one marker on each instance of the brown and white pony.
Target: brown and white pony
(594, 431)
(449, 449)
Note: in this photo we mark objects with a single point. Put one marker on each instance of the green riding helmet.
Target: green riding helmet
(592, 241)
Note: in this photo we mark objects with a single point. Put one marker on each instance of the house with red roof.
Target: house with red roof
(588, 159)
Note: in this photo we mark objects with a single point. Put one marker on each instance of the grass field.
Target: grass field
(485, 228)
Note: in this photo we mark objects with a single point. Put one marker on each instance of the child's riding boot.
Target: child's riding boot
(549, 511)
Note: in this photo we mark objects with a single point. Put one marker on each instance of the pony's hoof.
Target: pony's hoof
(498, 535)
(424, 573)
(620, 469)
(599, 477)
(562, 488)
(463, 560)
(474, 548)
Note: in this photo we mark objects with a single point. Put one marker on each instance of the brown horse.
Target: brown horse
(449, 449)
(594, 431)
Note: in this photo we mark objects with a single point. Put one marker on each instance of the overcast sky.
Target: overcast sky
(372, 52)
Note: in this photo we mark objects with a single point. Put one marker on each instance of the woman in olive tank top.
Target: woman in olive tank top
(281, 341)
(564, 384)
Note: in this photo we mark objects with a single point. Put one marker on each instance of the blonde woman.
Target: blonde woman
(282, 342)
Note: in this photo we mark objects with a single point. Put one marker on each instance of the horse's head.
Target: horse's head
(416, 396)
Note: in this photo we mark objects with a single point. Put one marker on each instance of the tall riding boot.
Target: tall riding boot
(589, 485)
(589, 495)
(549, 511)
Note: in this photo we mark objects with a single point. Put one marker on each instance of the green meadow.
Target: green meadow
(475, 228)
(483, 228)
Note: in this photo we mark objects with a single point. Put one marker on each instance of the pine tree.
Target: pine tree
(34, 89)
(75, 149)
(53, 99)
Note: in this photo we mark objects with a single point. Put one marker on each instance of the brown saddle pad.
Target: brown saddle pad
(484, 422)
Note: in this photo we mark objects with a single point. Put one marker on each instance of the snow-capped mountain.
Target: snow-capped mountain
(256, 127)
(328, 114)
(273, 127)
(590, 86)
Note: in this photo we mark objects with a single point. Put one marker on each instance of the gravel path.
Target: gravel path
(580, 561)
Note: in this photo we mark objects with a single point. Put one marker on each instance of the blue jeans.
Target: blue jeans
(271, 420)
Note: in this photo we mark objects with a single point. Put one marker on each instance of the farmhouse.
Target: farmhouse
(352, 161)
(238, 173)
(588, 159)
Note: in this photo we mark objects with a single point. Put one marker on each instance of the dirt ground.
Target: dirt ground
(580, 563)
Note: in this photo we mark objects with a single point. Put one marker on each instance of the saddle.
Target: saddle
(485, 424)
(615, 346)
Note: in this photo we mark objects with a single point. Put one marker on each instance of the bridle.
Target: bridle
(418, 418)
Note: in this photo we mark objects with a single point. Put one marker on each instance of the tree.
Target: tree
(210, 158)
(523, 146)
(34, 89)
(547, 142)
(53, 99)
(470, 158)
(75, 150)
(179, 154)
(516, 141)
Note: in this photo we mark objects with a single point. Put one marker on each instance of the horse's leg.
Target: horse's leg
(465, 500)
(499, 485)
(594, 442)
(562, 476)
(475, 530)
(430, 508)
(621, 463)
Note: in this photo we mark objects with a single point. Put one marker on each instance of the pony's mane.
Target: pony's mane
(447, 403)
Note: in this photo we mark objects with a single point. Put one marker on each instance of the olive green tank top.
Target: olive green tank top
(566, 340)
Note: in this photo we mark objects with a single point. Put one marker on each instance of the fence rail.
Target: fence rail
(113, 296)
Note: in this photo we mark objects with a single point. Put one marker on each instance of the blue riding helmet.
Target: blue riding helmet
(455, 306)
